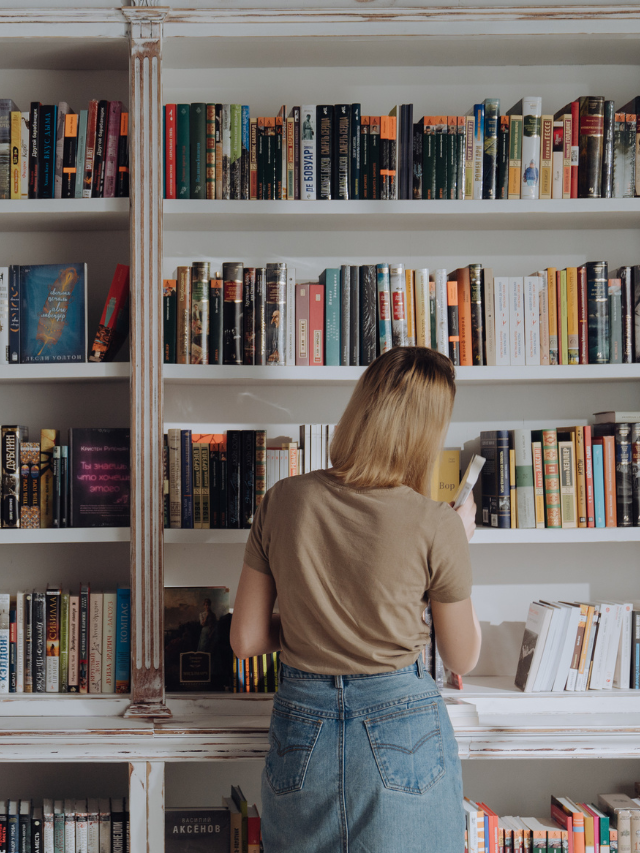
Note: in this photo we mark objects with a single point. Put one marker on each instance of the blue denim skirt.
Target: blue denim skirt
(361, 764)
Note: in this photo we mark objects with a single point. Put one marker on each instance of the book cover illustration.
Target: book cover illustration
(114, 322)
(197, 652)
(53, 309)
(100, 477)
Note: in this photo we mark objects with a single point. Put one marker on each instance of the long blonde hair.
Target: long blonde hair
(395, 422)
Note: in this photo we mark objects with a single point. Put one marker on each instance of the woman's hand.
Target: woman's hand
(467, 513)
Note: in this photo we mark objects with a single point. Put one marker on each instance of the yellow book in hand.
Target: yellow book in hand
(446, 476)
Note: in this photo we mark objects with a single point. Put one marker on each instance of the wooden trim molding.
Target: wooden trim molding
(147, 516)
(146, 802)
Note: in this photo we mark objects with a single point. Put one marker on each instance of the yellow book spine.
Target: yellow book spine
(546, 156)
(512, 488)
(446, 476)
(562, 319)
(538, 483)
(572, 316)
(16, 132)
(581, 482)
(409, 277)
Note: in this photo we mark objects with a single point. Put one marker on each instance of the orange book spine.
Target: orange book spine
(609, 460)
(464, 314)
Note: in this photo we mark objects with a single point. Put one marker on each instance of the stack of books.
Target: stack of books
(54, 642)
(52, 152)
(578, 646)
(585, 149)
(84, 483)
(351, 314)
(235, 827)
(94, 826)
(565, 477)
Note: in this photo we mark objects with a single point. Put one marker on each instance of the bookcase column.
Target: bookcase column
(146, 806)
(147, 521)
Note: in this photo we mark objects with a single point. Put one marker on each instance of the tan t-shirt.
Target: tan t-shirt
(352, 569)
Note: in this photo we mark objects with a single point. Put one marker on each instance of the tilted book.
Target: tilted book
(99, 477)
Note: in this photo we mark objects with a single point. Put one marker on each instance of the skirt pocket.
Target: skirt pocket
(292, 739)
(407, 746)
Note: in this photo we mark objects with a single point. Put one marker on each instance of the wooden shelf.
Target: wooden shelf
(208, 374)
(49, 214)
(115, 371)
(558, 214)
(52, 535)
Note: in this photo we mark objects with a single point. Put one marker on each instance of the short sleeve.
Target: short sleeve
(450, 577)
(256, 553)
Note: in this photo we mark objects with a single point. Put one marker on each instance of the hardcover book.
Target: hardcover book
(114, 322)
(197, 652)
(197, 830)
(53, 313)
(100, 475)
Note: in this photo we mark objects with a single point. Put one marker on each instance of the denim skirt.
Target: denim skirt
(361, 764)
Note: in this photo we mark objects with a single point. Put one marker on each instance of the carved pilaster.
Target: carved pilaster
(147, 533)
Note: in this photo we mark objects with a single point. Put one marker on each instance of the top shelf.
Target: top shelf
(518, 214)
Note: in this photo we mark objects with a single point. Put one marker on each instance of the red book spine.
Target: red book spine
(111, 148)
(588, 478)
(575, 146)
(92, 119)
(316, 325)
(609, 460)
(565, 821)
(583, 319)
(302, 324)
(170, 150)
(253, 829)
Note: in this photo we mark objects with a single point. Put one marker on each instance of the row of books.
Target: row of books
(258, 674)
(85, 826)
(261, 316)
(56, 642)
(43, 315)
(586, 149)
(50, 151)
(578, 646)
(232, 828)
(575, 827)
(217, 480)
(84, 483)
(565, 477)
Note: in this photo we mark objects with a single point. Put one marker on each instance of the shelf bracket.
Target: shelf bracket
(147, 415)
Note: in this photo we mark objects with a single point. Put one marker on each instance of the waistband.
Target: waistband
(416, 668)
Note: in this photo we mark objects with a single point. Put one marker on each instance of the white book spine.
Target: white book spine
(525, 498)
(531, 125)
(516, 321)
(105, 826)
(622, 674)
(4, 315)
(601, 640)
(5, 604)
(572, 676)
(532, 320)
(270, 480)
(109, 602)
(324, 444)
(308, 152)
(564, 663)
(284, 463)
(502, 314)
(93, 834)
(330, 431)
(548, 651)
(95, 642)
(47, 826)
(563, 622)
(489, 316)
(442, 322)
(20, 642)
(423, 318)
(612, 646)
(24, 155)
(582, 678)
(69, 830)
(290, 356)
(316, 460)
(543, 302)
(398, 305)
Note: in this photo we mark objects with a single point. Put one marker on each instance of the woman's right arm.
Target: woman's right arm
(458, 634)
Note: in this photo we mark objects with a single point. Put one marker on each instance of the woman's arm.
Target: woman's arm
(255, 628)
(458, 634)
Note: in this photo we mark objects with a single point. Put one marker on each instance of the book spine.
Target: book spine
(81, 153)
(490, 150)
(575, 147)
(502, 168)
(463, 276)
(546, 156)
(248, 315)
(260, 466)
(232, 276)
(324, 124)
(398, 305)
(216, 305)
(478, 152)
(34, 146)
(170, 150)
(367, 330)
(429, 157)
(416, 184)
(260, 316)
(276, 314)
(234, 452)
(123, 641)
(253, 158)
(302, 325)
(199, 313)
(635, 651)
(235, 150)
(442, 131)
(410, 296)
(13, 349)
(290, 317)
(52, 676)
(616, 344)
(354, 308)
(626, 279)
(516, 321)
(183, 317)
(247, 478)
(538, 483)
(630, 156)
(245, 156)
(591, 129)
(15, 131)
(13, 652)
(598, 482)
(609, 466)
(183, 154)
(502, 319)
(477, 325)
(624, 475)
(61, 114)
(205, 474)
(111, 149)
(442, 320)
(345, 314)
(453, 336)
(384, 308)
(598, 313)
(175, 493)
(64, 643)
(524, 480)
(515, 156)
(531, 127)
(169, 311)
(46, 151)
(99, 154)
(423, 324)
(332, 317)
(355, 177)
(39, 642)
(607, 149)
(186, 479)
(316, 324)
(558, 159)
(308, 152)
(83, 642)
(551, 478)
(567, 469)
(452, 158)
(95, 642)
(11, 440)
(573, 316)
(197, 486)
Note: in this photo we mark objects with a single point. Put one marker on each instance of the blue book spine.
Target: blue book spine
(598, 484)
(13, 837)
(332, 317)
(186, 477)
(81, 150)
(14, 314)
(47, 151)
(123, 641)
(183, 153)
(384, 307)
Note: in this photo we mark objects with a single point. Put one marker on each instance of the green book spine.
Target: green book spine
(210, 167)
(331, 280)
(236, 151)
(604, 831)
(615, 321)
(441, 157)
(64, 642)
(170, 321)
(452, 159)
(490, 147)
(429, 160)
(598, 311)
(564, 317)
(183, 162)
(197, 147)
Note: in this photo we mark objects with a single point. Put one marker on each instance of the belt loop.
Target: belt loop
(337, 682)
(420, 666)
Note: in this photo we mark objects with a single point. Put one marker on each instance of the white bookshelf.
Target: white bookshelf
(48, 214)
(49, 373)
(66, 535)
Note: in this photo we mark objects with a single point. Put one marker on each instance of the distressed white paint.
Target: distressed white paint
(146, 805)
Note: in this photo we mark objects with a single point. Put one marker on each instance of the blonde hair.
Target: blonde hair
(395, 422)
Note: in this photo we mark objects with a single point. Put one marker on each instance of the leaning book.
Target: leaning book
(99, 477)
(53, 313)
(197, 653)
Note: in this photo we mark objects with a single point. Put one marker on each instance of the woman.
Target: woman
(363, 758)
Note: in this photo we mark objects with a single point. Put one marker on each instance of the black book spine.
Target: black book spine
(365, 166)
(635, 472)
(13, 652)
(46, 151)
(268, 159)
(345, 314)
(248, 315)
(3, 833)
(502, 175)
(591, 147)
(97, 189)
(417, 160)
(28, 642)
(247, 478)
(261, 149)
(625, 274)
(598, 311)
(69, 157)
(355, 189)
(216, 305)
(340, 170)
(234, 466)
(324, 124)
(222, 490)
(276, 313)
(428, 161)
(117, 827)
(296, 153)
(260, 315)
(490, 150)
(64, 488)
(354, 317)
(11, 438)
(214, 486)
(635, 651)
(453, 318)
(636, 313)
(14, 314)
(374, 156)
(624, 484)
(368, 304)
(477, 322)
(165, 480)
(25, 831)
(385, 160)
(57, 488)
(37, 840)
(186, 478)
(122, 175)
(280, 152)
(232, 313)
(607, 149)
(34, 146)
(452, 159)
(442, 131)
(39, 642)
